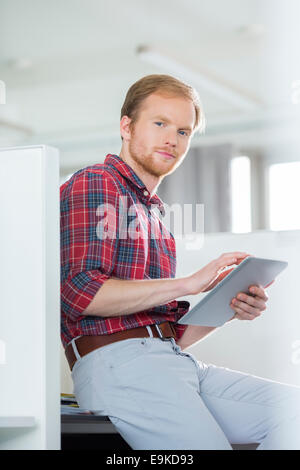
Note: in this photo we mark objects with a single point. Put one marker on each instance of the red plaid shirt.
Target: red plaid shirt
(109, 228)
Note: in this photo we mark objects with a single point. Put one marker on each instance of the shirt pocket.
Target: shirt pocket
(163, 259)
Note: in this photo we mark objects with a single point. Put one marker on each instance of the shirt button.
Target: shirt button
(146, 193)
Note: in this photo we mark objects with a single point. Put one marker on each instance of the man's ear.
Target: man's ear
(125, 129)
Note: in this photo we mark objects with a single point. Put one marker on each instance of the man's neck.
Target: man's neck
(151, 182)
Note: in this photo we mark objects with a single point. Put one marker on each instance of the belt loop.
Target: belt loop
(159, 331)
(77, 355)
(149, 331)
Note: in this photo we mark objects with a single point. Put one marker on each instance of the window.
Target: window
(284, 196)
(241, 194)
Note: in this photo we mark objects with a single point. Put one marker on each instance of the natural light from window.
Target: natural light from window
(284, 196)
(241, 194)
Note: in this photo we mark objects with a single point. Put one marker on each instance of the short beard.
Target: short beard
(146, 163)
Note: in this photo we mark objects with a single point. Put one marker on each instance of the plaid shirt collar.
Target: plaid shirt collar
(127, 172)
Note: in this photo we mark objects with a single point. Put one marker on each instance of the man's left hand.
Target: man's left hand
(248, 307)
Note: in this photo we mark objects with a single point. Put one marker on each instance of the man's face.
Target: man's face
(161, 136)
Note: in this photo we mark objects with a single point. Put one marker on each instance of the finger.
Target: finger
(259, 291)
(269, 284)
(241, 315)
(235, 254)
(227, 259)
(247, 308)
(255, 302)
(223, 274)
(242, 259)
(223, 262)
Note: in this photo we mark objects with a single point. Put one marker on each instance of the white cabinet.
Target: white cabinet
(30, 302)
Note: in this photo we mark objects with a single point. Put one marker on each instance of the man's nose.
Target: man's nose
(171, 138)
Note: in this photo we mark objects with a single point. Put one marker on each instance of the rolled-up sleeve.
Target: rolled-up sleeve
(89, 238)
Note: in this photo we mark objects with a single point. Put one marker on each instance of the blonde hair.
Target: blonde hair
(166, 85)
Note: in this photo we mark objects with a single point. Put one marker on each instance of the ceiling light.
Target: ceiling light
(202, 80)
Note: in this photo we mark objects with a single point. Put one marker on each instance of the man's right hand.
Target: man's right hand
(209, 276)
(123, 297)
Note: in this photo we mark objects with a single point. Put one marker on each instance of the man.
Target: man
(119, 313)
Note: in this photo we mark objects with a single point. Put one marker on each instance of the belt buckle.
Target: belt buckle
(164, 338)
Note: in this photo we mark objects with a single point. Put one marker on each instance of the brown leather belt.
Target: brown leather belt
(87, 344)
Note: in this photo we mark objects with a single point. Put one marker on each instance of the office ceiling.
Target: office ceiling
(68, 64)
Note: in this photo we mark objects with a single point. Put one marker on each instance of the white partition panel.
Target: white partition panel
(268, 346)
(29, 311)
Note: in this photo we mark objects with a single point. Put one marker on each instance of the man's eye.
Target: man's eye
(159, 123)
(182, 132)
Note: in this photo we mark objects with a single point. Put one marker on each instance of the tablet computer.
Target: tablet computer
(214, 309)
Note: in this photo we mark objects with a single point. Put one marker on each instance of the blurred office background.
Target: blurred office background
(67, 66)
